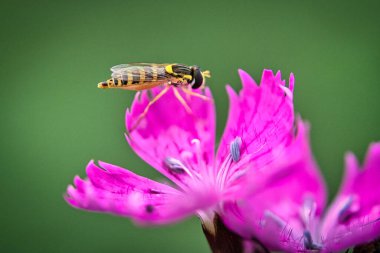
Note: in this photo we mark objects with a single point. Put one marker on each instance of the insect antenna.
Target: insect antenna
(206, 73)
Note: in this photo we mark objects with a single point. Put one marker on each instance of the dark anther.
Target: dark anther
(345, 213)
(174, 165)
(308, 241)
(235, 149)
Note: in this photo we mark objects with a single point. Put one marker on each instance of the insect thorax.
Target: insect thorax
(179, 74)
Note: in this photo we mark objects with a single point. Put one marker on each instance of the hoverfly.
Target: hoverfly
(143, 76)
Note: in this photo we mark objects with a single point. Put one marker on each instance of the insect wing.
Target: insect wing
(122, 67)
(150, 72)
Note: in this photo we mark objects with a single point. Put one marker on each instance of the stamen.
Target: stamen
(347, 209)
(239, 169)
(308, 241)
(175, 166)
(235, 149)
(308, 211)
(197, 143)
(269, 215)
(198, 151)
(223, 172)
(234, 156)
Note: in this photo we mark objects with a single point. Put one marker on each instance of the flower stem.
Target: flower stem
(371, 247)
(223, 240)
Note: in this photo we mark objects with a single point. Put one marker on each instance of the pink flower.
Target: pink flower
(181, 145)
(284, 206)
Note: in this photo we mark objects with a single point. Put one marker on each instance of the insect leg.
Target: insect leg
(155, 99)
(182, 101)
(191, 93)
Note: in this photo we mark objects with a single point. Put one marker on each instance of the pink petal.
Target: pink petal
(354, 215)
(262, 116)
(169, 131)
(277, 194)
(112, 189)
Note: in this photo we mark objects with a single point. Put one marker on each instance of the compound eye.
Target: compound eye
(198, 79)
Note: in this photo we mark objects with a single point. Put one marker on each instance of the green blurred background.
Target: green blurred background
(54, 119)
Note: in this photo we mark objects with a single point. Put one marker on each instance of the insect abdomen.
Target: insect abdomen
(141, 75)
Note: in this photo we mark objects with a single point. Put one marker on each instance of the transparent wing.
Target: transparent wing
(125, 67)
(133, 71)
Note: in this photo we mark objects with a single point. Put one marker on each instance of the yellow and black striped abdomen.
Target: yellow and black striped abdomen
(134, 75)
